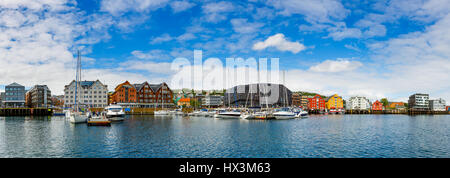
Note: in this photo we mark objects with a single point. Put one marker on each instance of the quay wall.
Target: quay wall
(26, 112)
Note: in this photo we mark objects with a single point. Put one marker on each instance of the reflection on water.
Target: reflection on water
(165, 136)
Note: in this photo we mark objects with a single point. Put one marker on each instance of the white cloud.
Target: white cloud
(152, 54)
(281, 43)
(179, 6)
(217, 11)
(339, 65)
(241, 25)
(118, 7)
(160, 39)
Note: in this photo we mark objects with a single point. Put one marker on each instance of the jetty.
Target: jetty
(26, 111)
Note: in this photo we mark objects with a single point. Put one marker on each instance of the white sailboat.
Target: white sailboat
(75, 116)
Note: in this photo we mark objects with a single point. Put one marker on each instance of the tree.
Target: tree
(384, 101)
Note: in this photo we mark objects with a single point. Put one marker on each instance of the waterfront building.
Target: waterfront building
(185, 102)
(212, 101)
(437, 105)
(334, 102)
(39, 96)
(304, 102)
(249, 95)
(377, 106)
(2, 97)
(316, 103)
(447, 108)
(419, 101)
(57, 100)
(163, 94)
(90, 93)
(145, 93)
(358, 103)
(124, 93)
(296, 99)
(396, 105)
(14, 95)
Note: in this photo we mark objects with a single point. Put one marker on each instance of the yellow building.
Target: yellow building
(334, 102)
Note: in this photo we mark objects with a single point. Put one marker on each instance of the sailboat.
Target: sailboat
(285, 112)
(75, 116)
(162, 112)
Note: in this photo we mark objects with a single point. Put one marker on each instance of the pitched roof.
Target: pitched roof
(14, 85)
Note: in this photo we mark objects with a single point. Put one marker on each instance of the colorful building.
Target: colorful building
(396, 105)
(163, 94)
(186, 102)
(124, 93)
(334, 102)
(377, 106)
(296, 99)
(316, 103)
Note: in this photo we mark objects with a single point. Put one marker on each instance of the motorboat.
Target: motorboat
(176, 112)
(233, 114)
(113, 111)
(300, 113)
(284, 113)
(161, 113)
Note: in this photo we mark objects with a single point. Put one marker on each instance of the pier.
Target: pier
(26, 112)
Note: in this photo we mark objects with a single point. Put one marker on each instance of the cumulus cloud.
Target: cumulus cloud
(339, 65)
(118, 7)
(281, 43)
(242, 25)
(217, 11)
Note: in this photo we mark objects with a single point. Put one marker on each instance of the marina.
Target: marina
(317, 136)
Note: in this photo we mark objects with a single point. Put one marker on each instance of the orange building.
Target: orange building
(184, 102)
(124, 93)
(377, 106)
(316, 103)
(395, 105)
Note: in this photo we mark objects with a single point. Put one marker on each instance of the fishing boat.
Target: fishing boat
(76, 116)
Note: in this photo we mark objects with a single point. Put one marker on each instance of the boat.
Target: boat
(76, 116)
(284, 113)
(98, 121)
(115, 112)
(176, 112)
(233, 114)
(300, 113)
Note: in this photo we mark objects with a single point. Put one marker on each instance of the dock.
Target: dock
(26, 112)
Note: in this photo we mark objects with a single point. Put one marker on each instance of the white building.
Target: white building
(437, 105)
(358, 103)
(212, 101)
(419, 101)
(91, 93)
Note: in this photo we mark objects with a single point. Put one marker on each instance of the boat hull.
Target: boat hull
(227, 116)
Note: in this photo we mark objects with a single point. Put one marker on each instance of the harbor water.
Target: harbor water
(342, 136)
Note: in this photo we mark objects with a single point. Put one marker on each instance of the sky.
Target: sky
(372, 48)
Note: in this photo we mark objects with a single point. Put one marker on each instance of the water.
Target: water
(346, 136)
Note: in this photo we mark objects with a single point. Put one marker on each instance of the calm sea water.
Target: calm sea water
(166, 137)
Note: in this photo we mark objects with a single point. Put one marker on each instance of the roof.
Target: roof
(14, 85)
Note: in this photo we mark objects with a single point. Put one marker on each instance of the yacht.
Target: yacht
(75, 116)
(115, 112)
(176, 112)
(161, 113)
(300, 113)
(233, 114)
(284, 113)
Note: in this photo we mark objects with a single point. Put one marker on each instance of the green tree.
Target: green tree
(384, 101)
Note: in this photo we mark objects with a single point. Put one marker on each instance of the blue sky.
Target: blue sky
(378, 48)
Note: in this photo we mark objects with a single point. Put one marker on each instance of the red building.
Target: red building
(377, 106)
(316, 103)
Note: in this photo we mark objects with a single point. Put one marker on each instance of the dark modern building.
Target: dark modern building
(258, 95)
(419, 101)
(14, 95)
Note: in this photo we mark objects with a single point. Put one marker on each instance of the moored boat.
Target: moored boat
(233, 114)
(284, 113)
(114, 111)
